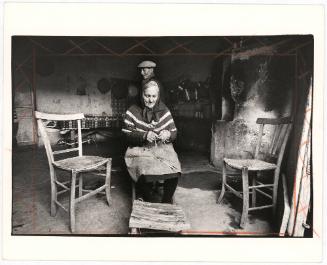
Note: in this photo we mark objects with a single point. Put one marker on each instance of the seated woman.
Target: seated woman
(150, 130)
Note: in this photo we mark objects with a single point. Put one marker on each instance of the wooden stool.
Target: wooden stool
(157, 216)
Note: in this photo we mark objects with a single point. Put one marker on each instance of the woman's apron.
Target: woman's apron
(159, 160)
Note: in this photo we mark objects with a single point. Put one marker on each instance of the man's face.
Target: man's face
(146, 72)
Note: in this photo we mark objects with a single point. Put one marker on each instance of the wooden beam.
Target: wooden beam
(265, 50)
(106, 48)
(134, 46)
(284, 120)
(260, 42)
(77, 46)
(228, 40)
(299, 47)
(181, 45)
(224, 52)
(40, 45)
(20, 85)
(23, 62)
(26, 76)
(304, 74)
(178, 46)
(214, 55)
(145, 47)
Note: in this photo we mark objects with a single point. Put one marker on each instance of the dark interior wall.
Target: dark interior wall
(68, 84)
(22, 87)
(259, 86)
(72, 87)
(262, 86)
(60, 91)
(193, 68)
(193, 116)
(67, 75)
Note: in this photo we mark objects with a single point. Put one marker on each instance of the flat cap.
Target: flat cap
(147, 64)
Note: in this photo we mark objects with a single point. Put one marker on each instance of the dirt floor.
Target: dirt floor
(196, 194)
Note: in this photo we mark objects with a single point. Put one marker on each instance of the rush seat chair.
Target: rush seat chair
(75, 165)
(268, 156)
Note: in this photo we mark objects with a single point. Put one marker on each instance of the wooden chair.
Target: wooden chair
(269, 159)
(76, 165)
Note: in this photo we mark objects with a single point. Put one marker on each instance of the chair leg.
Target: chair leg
(245, 182)
(254, 192)
(133, 191)
(173, 200)
(72, 202)
(80, 185)
(222, 192)
(134, 231)
(275, 189)
(53, 209)
(107, 182)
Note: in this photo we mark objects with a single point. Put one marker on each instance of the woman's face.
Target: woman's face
(150, 96)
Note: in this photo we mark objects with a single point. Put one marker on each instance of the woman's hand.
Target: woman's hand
(164, 135)
(151, 136)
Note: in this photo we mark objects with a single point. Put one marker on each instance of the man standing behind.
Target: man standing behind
(147, 72)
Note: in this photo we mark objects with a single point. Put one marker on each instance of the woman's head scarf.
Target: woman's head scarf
(154, 113)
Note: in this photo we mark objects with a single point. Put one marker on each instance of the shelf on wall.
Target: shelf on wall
(181, 118)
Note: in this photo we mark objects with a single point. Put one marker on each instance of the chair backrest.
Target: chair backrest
(281, 131)
(41, 117)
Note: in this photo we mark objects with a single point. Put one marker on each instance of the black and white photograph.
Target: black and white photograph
(163, 132)
(162, 135)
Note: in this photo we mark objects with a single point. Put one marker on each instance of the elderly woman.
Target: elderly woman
(150, 130)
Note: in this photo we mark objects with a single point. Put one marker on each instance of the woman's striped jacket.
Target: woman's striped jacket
(136, 128)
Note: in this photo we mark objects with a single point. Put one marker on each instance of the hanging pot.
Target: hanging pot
(132, 91)
(104, 85)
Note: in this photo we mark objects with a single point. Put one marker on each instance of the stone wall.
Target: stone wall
(259, 86)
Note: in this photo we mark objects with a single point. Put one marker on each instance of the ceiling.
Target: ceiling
(158, 46)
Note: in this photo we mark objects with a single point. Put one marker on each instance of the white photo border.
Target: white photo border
(108, 19)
